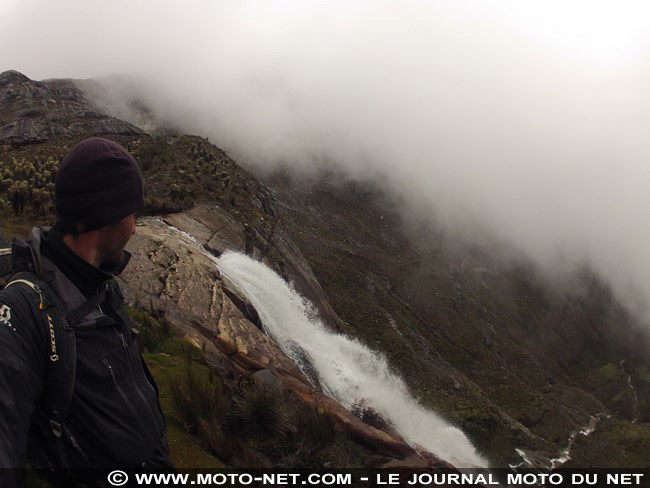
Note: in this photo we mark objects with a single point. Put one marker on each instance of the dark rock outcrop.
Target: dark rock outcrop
(35, 111)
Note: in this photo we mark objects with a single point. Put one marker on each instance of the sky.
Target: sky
(526, 118)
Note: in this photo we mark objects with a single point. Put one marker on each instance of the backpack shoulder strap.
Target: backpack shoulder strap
(59, 386)
(74, 317)
(5, 265)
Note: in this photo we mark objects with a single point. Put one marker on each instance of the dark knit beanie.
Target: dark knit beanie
(99, 183)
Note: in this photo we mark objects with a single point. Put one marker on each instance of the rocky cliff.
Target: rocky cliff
(34, 111)
(522, 365)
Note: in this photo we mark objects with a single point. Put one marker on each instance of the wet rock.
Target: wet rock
(265, 376)
(173, 275)
(371, 417)
(219, 232)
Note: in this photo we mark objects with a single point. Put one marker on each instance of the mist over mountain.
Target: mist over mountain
(335, 296)
(528, 123)
(456, 185)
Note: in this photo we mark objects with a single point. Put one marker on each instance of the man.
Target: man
(74, 390)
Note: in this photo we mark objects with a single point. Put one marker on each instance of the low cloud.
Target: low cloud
(529, 121)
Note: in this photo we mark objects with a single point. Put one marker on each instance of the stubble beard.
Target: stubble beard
(112, 246)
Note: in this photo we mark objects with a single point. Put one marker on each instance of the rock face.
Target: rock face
(36, 111)
(218, 232)
(173, 272)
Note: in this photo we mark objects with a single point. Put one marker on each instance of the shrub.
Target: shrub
(152, 154)
(152, 333)
(260, 409)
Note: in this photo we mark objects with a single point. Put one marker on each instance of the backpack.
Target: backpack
(59, 385)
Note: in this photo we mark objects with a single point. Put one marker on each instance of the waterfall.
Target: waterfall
(347, 370)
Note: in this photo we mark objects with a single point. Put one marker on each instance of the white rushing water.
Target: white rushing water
(348, 370)
(565, 454)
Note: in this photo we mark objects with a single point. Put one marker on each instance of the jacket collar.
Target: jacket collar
(44, 251)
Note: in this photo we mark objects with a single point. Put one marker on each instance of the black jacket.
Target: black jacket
(115, 419)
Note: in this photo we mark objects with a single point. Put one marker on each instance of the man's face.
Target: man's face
(114, 240)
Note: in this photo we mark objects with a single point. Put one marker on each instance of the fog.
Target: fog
(529, 119)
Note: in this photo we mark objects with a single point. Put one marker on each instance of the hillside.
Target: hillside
(516, 363)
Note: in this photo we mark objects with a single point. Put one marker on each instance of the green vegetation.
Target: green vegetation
(181, 171)
(641, 381)
(260, 410)
(609, 384)
(615, 444)
(198, 400)
(151, 332)
(185, 449)
(27, 187)
(248, 424)
(485, 343)
(178, 173)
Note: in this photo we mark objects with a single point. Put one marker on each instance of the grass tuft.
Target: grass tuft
(260, 409)
(198, 399)
(316, 429)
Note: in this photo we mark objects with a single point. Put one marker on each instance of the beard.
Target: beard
(111, 249)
